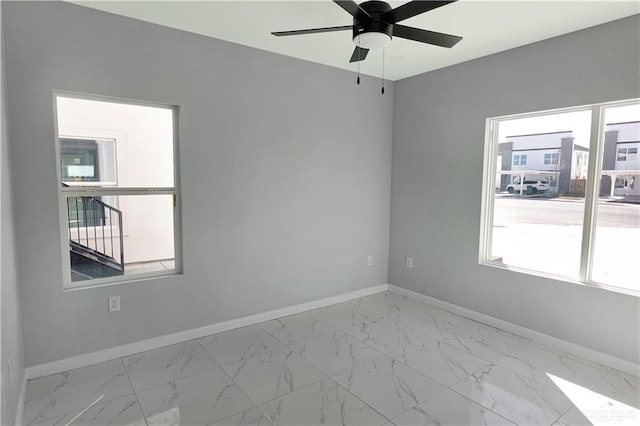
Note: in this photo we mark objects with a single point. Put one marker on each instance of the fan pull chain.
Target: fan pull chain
(358, 79)
(382, 91)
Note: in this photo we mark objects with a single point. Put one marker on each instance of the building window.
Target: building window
(551, 158)
(587, 228)
(520, 160)
(627, 154)
(622, 154)
(118, 190)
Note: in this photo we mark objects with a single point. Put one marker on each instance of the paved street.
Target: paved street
(545, 235)
(556, 211)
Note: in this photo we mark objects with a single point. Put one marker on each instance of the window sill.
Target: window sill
(127, 279)
(497, 264)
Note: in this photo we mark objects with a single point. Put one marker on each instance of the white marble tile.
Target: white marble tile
(63, 393)
(122, 411)
(597, 407)
(345, 315)
(620, 387)
(449, 408)
(485, 342)
(515, 398)
(297, 328)
(242, 343)
(250, 417)
(536, 363)
(323, 403)
(197, 400)
(573, 417)
(336, 352)
(600, 415)
(388, 385)
(435, 322)
(439, 361)
(56, 421)
(386, 302)
(599, 411)
(170, 363)
(385, 334)
(273, 374)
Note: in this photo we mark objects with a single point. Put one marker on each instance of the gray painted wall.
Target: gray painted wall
(285, 167)
(10, 291)
(438, 142)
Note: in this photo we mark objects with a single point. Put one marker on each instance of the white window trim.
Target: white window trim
(64, 193)
(596, 147)
(552, 159)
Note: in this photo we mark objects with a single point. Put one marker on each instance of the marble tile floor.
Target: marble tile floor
(383, 359)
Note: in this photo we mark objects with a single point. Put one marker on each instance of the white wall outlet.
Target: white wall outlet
(409, 262)
(10, 371)
(369, 260)
(114, 303)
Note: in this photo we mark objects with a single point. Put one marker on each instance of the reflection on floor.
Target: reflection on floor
(380, 360)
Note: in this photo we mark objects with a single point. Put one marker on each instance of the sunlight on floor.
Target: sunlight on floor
(599, 409)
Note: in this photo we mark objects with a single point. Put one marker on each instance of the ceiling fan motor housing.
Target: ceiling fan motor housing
(363, 24)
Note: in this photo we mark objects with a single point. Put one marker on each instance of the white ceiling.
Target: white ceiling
(486, 27)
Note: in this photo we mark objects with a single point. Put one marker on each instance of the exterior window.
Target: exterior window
(622, 154)
(627, 154)
(520, 160)
(579, 221)
(119, 211)
(551, 158)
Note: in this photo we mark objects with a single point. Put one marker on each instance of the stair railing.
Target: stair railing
(87, 213)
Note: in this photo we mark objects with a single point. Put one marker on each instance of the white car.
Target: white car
(537, 186)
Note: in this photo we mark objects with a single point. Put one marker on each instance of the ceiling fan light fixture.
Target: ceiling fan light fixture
(372, 40)
(375, 23)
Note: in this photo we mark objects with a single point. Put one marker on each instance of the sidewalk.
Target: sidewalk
(629, 199)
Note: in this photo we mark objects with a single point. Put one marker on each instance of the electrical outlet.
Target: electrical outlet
(369, 260)
(10, 371)
(114, 303)
(409, 262)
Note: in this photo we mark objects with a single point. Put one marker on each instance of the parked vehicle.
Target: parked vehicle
(537, 186)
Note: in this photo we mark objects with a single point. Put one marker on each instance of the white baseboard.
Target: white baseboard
(541, 338)
(20, 408)
(84, 360)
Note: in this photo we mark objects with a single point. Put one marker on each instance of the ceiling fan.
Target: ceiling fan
(375, 23)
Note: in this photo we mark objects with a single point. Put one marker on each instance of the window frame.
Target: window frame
(94, 191)
(519, 159)
(594, 175)
(551, 158)
(622, 154)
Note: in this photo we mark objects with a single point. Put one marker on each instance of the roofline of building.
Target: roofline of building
(539, 134)
(623, 122)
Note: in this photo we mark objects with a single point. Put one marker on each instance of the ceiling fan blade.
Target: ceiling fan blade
(411, 9)
(425, 36)
(312, 31)
(359, 54)
(352, 7)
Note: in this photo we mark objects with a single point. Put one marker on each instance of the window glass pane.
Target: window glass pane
(112, 236)
(115, 145)
(617, 237)
(539, 199)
